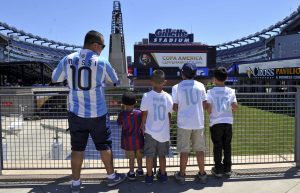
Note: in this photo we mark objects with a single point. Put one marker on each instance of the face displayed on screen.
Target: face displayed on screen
(145, 59)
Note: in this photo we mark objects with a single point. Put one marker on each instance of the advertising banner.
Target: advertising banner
(280, 69)
(202, 72)
(171, 59)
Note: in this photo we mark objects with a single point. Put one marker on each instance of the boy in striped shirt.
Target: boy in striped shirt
(132, 138)
(85, 72)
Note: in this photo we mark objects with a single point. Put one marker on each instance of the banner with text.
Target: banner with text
(280, 69)
(178, 59)
(171, 36)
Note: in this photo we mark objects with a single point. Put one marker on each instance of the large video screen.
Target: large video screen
(171, 58)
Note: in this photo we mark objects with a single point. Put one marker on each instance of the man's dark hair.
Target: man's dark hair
(93, 37)
(220, 74)
(158, 76)
(128, 98)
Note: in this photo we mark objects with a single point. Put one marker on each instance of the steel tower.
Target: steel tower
(117, 55)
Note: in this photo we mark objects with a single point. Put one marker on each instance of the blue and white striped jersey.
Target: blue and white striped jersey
(85, 72)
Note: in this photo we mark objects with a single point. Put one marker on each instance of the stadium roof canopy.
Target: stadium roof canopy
(288, 25)
(14, 32)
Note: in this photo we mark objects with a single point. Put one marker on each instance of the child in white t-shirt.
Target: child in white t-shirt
(156, 107)
(189, 97)
(221, 102)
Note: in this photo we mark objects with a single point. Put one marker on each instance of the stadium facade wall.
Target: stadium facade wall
(287, 46)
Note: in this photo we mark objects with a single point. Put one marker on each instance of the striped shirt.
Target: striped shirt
(132, 137)
(85, 72)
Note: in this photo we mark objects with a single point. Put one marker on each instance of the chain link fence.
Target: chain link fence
(34, 132)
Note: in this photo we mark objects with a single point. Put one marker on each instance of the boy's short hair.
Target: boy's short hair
(158, 76)
(220, 74)
(189, 70)
(128, 98)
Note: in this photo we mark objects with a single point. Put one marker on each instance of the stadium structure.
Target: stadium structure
(27, 59)
(168, 49)
(117, 55)
(260, 45)
(270, 56)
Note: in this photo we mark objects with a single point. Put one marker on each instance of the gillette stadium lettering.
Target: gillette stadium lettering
(171, 33)
(171, 40)
(170, 36)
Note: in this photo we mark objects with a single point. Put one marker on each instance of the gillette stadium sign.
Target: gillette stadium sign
(170, 36)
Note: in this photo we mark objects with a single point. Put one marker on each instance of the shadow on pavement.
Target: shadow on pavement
(138, 186)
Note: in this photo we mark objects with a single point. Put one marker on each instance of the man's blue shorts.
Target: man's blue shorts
(80, 128)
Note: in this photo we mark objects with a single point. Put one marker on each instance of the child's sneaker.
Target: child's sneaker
(75, 188)
(117, 180)
(202, 177)
(139, 172)
(179, 179)
(229, 173)
(131, 176)
(163, 178)
(149, 179)
(216, 173)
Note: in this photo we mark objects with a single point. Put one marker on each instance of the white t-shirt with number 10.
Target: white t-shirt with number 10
(189, 95)
(221, 99)
(158, 106)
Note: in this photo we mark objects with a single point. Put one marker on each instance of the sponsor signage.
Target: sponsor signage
(256, 72)
(281, 69)
(170, 36)
(172, 59)
(202, 72)
(277, 73)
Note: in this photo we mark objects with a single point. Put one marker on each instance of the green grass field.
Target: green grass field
(257, 132)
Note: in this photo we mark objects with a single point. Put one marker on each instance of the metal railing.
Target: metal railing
(34, 132)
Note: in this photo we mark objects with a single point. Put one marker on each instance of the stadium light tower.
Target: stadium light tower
(116, 46)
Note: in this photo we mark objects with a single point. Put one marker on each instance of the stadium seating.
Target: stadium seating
(249, 52)
(22, 46)
(29, 51)
(243, 50)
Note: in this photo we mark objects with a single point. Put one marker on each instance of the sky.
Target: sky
(212, 21)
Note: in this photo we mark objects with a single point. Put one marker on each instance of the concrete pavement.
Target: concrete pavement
(262, 180)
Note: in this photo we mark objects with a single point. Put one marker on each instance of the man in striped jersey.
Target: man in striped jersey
(86, 72)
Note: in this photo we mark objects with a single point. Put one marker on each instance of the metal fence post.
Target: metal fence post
(297, 132)
(1, 147)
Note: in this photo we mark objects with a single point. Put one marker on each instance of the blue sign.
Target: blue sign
(166, 36)
(202, 72)
(231, 79)
(233, 69)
